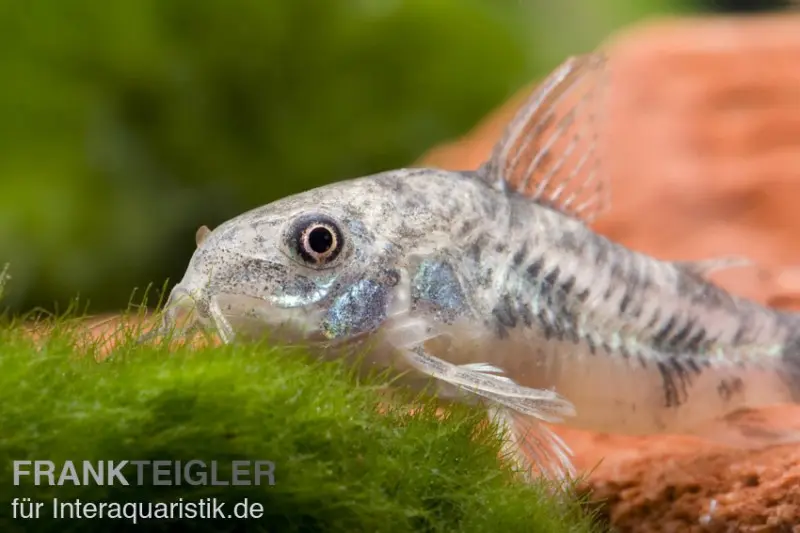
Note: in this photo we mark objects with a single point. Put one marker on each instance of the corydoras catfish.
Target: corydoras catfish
(492, 282)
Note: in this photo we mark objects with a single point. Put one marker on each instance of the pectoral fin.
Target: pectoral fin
(544, 404)
(520, 409)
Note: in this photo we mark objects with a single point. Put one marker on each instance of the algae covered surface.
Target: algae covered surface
(346, 458)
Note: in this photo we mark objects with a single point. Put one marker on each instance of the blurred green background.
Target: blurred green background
(125, 125)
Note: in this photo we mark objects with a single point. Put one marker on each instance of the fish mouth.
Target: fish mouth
(183, 313)
(239, 315)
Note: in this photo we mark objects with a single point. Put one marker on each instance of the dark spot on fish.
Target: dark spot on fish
(569, 241)
(500, 247)
(609, 291)
(526, 314)
(564, 321)
(257, 270)
(625, 302)
(655, 319)
(660, 337)
(504, 312)
(407, 232)
(694, 366)
(520, 255)
(602, 254)
(684, 378)
(483, 278)
(679, 338)
(436, 288)
(675, 380)
(551, 278)
(500, 330)
(567, 286)
(535, 269)
(668, 385)
(411, 204)
(395, 183)
(727, 388)
(558, 317)
(695, 343)
(616, 270)
(391, 277)
(475, 249)
(592, 345)
(583, 295)
(636, 310)
(739, 336)
(547, 329)
(467, 226)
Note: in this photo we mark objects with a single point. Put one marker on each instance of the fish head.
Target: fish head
(316, 266)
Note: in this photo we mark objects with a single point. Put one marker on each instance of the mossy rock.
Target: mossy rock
(340, 463)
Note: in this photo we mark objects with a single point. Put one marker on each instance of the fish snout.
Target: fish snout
(186, 308)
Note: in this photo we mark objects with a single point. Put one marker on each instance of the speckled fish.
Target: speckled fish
(493, 283)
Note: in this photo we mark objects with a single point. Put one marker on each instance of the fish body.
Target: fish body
(493, 283)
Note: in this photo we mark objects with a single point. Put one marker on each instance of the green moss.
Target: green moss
(340, 465)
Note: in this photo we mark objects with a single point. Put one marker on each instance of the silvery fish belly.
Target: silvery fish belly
(492, 283)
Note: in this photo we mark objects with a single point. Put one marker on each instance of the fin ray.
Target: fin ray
(480, 382)
(549, 151)
(529, 441)
(704, 267)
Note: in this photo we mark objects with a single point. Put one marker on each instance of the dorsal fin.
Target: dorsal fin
(704, 267)
(549, 152)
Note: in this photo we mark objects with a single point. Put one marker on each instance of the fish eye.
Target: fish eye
(317, 239)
